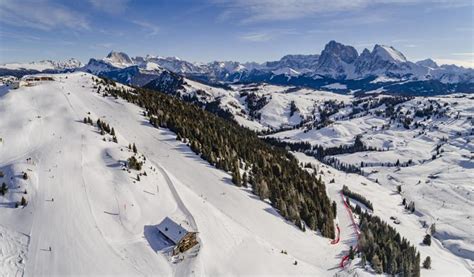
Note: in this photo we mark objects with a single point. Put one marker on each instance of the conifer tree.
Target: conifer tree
(134, 148)
(377, 264)
(416, 266)
(433, 229)
(236, 178)
(427, 263)
(3, 188)
(427, 240)
(23, 201)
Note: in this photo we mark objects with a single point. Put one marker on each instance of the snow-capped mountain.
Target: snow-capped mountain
(427, 63)
(336, 60)
(296, 63)
(173, 64)
(44, 65)
(118, 59)
(383, 68)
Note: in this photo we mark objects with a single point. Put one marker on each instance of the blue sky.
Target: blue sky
(242, 30)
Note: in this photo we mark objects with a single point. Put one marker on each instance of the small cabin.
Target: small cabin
(182, 238)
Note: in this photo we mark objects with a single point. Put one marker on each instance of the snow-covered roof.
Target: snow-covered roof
(172, 230)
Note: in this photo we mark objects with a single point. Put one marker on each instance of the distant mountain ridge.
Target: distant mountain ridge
(338, 67)
(44, 65)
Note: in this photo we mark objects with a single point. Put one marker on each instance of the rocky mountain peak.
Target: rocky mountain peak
(119, 59)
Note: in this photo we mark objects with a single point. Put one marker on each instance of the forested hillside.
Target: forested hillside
(273, 173)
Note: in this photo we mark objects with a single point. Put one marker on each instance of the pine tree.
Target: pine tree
(23, 201)
(236, 178)
(427, 240)
(244, 179)
(25, 176)
(3, 189)
(416, 266)
(134, 148)
(112, 132)
(351, 253)
(427, 263)
(377, 264)
(363, 260)
(433, 229)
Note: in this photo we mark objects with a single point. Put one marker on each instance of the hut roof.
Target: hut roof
(172, 230)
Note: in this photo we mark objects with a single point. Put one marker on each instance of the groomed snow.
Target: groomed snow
(99, 219)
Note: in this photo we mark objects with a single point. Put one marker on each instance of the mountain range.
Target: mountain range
(338, 68)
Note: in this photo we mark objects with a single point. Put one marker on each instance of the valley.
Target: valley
(81, 195)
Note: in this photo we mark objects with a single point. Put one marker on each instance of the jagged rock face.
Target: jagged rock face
(383, 60)
(335, 58)
(98, 66)
(119, 59)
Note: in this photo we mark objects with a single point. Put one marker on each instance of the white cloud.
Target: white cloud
(269, 10)
(463, 54)
(40, 14)
(268, 34)
(464, 63)
(256, 37)
(147, 26)
(110, 6)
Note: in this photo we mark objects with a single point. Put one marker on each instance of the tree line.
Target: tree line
(272, 172)
(356, 196)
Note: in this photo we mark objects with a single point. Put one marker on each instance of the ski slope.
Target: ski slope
(438, 181)
(88, 215)
(387, 203)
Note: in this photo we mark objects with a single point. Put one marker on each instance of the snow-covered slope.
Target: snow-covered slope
(86, 215)
(387, 206)
(425, 147)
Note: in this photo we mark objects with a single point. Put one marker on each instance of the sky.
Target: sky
(239, 30)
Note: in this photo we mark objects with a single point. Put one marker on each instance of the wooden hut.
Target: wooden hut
(182, 238)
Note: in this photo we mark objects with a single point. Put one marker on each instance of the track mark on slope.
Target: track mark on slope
(13, 249)
(89, 204)
(179, 201)
(354, 225)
